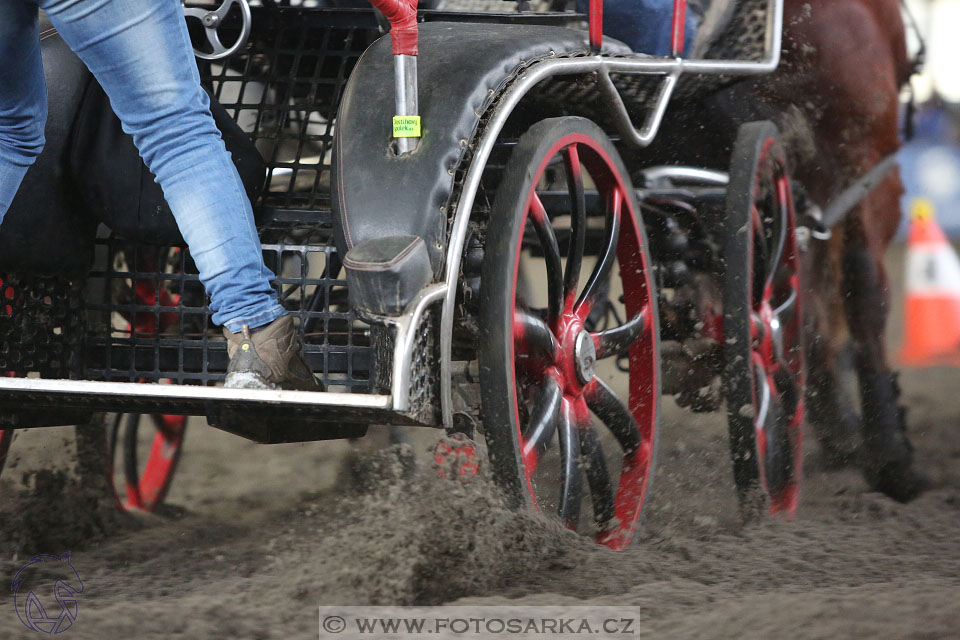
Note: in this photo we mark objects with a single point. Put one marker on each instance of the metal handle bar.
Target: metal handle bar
(402, 15)
(211, 21)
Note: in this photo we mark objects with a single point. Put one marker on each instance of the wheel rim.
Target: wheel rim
(560, 355)
(776, 355)
(146, 486)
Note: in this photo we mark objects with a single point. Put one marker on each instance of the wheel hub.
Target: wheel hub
(585, 357)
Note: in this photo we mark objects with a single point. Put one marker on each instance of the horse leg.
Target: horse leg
(888, 454)
(830, 409)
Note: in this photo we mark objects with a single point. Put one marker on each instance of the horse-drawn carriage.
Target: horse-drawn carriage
(473, 230)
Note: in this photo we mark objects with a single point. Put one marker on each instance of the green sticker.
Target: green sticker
(406, 126)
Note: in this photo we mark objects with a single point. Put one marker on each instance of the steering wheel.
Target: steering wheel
(211, 21)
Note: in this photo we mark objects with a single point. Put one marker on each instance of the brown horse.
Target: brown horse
(836, 98)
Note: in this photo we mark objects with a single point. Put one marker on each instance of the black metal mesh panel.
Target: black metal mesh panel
(40, 325)
(147, 312)
(150, 320)
(284, 91)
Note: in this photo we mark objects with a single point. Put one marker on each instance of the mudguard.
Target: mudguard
(462, 69)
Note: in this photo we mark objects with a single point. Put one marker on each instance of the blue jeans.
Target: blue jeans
(140, 52)
(644, 25)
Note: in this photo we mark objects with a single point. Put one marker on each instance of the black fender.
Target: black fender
(462, 70)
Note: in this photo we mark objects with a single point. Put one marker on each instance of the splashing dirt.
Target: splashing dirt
(263, 535)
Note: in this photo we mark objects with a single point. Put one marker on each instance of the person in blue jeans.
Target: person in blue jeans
(645, 25)
(140, 52)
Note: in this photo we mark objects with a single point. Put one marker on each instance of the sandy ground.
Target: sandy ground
(257, 537)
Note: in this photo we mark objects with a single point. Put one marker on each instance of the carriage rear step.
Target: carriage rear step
(265, 416)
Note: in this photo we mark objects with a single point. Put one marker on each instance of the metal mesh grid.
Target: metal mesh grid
(150, 320)
(284, 90)
(425, 381)
(40, 325)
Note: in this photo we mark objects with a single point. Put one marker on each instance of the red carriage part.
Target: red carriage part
(151, 293)
(456, 458)
(596, 25)
(147, 323)
(8, 296)
(402, 15)
(145, 490)
(678, 27)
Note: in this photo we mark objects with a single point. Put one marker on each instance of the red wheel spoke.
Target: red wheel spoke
(598, 477)
(146, 489)
(761, 254)
(614, 342)
(163, 457)
(602, 269)
(788, 305)
(571, 479)
(615, 416)
(530, 331)
(783, 316)
(170, 426)
(551, 253)
(131, 467)
(783, 200)
(578, 223)
(756, 326)
(773, 441)
(543, 423)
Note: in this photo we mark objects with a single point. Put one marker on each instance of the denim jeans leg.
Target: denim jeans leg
(140, 52)
(23, 97)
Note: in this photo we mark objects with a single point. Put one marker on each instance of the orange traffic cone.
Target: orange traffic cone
(932, 307)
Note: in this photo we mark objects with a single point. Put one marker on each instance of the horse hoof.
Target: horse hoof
(898, 480)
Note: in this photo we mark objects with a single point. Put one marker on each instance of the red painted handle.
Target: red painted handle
(679, 26)
(596, 25)
(402, 15)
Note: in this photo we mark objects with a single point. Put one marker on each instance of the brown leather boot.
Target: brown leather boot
(268, 357)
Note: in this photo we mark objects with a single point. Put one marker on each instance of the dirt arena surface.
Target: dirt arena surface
(257, 537)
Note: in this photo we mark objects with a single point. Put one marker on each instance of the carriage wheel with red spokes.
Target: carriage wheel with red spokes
(142, 483)
(762, 324)
(565, 427)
